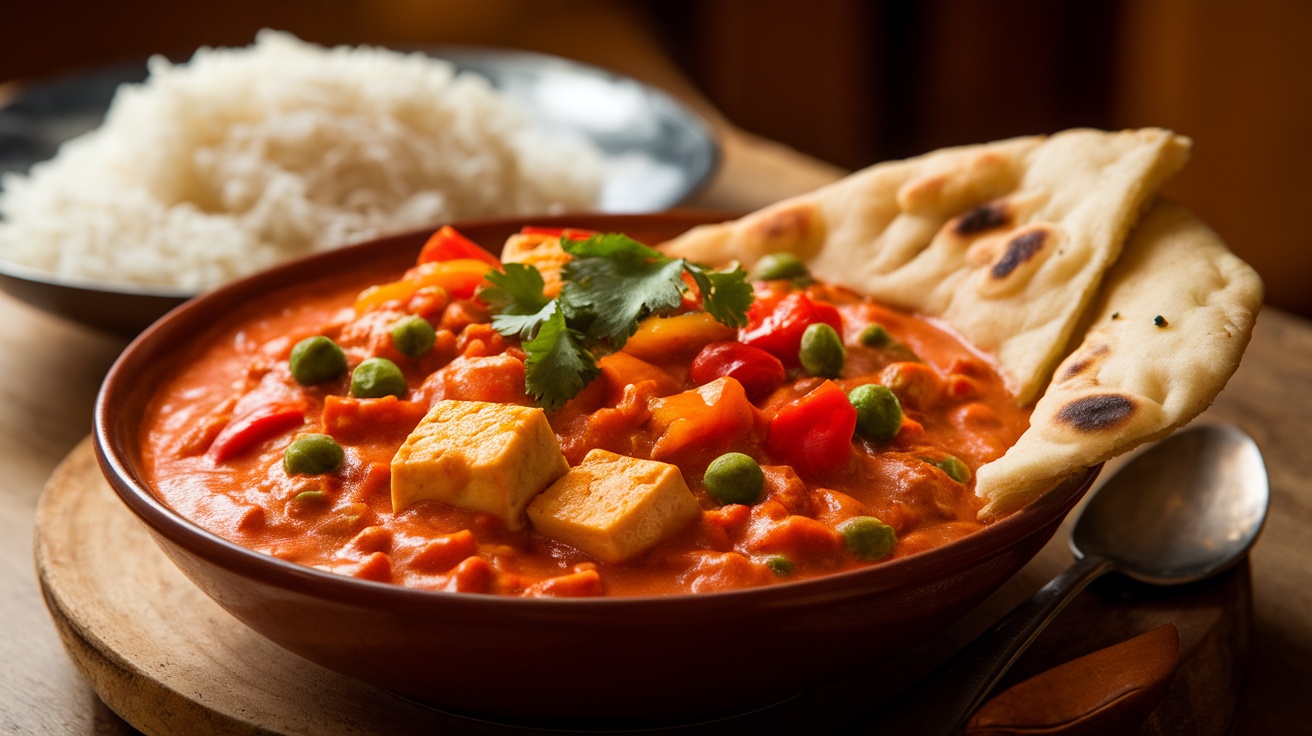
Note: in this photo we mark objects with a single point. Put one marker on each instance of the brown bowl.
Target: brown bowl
(636, 661)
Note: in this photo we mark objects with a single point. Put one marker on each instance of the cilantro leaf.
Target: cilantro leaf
(616, 247)
(619, 301)
(726, 295)
(558, 366)
(517, 297)
(516, 290)
(523, 326)
(619, 281)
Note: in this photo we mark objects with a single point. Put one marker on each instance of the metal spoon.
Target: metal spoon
(1185, 509)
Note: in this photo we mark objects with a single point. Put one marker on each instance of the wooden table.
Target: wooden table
(50, 370)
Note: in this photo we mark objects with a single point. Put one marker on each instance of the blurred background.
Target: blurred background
(850, 82)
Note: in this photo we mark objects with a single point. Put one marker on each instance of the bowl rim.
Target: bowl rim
(114, 452)
(40, 276)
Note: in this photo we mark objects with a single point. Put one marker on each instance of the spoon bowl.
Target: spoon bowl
(1182, 512)
(1185, 509)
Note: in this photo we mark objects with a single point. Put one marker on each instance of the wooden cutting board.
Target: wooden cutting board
(168, 660)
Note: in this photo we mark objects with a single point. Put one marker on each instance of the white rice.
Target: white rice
(242, 158)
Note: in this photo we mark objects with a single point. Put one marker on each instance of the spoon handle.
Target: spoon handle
(941, 703)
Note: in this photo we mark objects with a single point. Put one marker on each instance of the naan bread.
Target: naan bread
(1136, 377)
(1007, 241)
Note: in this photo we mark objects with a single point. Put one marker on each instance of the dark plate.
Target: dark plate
(656, 152)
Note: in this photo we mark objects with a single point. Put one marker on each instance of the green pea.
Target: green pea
(822, 352)
(874, 336)
(867, 537)
(376, 378)
(413, 336)
(317, 359)
(734, 478)
(779, 565)
(309, 497)
(779, 266)
(955, 469)
(312, 454)
(878, 412)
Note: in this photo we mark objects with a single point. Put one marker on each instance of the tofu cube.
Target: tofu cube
(614, 507)
(478, 456)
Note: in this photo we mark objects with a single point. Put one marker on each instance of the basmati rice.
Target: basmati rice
(243, 158)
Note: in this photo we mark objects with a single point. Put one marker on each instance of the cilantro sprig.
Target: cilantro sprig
(611, 283)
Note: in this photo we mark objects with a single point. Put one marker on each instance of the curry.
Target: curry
(587, 418)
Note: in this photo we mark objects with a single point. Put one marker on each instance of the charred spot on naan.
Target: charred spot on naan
(1020, 249)
(1007, 261)
(986, 217)
(1097, 413)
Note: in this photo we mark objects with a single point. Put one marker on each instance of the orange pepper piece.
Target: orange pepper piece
(619, 370)
(460, 278)
(662, 338)
(713, 414)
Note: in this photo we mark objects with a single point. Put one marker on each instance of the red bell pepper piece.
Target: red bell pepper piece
(253, 427)
(813, 433)
(447, 244)
(572, 233)
(352, 421)
(776, 326)
(758, 371)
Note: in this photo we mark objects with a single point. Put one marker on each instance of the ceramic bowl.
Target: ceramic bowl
(558, 662)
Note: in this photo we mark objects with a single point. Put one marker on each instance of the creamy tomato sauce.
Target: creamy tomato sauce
(214, 439)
